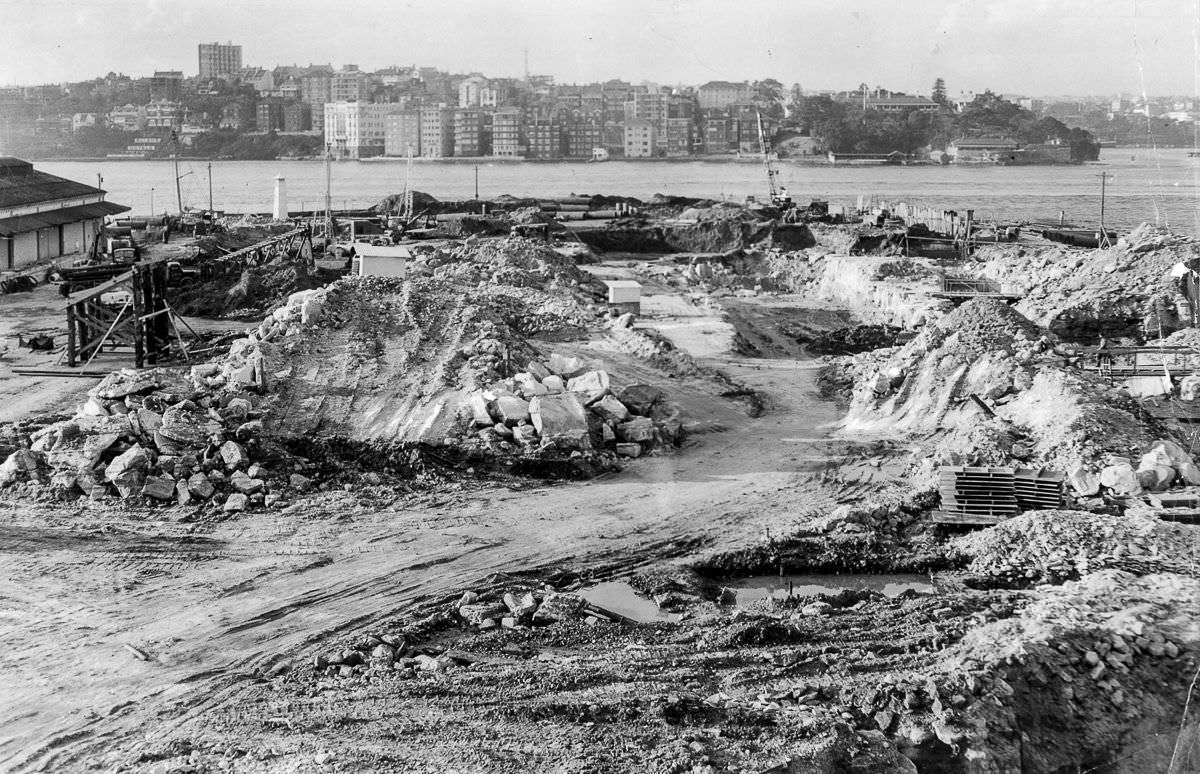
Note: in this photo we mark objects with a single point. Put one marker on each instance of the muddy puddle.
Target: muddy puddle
(751, 590)
(620, 598)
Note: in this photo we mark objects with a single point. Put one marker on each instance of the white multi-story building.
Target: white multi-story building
(356, 130)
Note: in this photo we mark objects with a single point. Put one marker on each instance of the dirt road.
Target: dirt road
(213, 607)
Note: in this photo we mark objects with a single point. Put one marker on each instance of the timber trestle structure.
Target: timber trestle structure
(131, 309)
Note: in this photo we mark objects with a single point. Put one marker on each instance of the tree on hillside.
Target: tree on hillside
(939, 92)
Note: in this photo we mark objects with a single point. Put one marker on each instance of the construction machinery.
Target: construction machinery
(779, 196)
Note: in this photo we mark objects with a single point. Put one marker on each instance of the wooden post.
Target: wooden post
(139, 345)
(71, 336)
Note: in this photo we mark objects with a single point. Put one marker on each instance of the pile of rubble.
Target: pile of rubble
(563, 405)
(1057, 545)
(1125, 291)
(988, 380)
(161, 436)
(1108, 658)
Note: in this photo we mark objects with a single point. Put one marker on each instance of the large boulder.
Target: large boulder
(234, 456)
(512, 409)
(188, 426)
(1120, 477)
(640, 398)
(1084, 482)
(529, 385)
(479, 409)
(127, 471)
(560, 607)
(611, 409)
(200, 487)
(19, 465)
(567, 367)
(636, 430)
(127, 381)
(590, 382)
(561, 417)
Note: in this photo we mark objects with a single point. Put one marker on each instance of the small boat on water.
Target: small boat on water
(599, 154)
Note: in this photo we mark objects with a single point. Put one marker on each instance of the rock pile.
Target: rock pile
(523, 608)
(1110, 668)
(1052, 546)
(164, 437)
(565, 404)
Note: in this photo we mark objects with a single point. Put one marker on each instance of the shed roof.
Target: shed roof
(623, 284)
(21, 184)
(23, 223)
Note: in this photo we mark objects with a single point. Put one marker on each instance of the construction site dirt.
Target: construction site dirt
(483, 517)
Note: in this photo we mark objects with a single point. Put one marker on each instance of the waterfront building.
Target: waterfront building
(219, 61)
(356, 130)
(582, 136)
(437, 132)
(44, 216)
(269, 116)
(545, 139)
(316, 87)
(981, 150)
(722, 94)
(641, 139)
(508, 138)
(678, 138)
(648, 106)
(297, 116)
(470, 130)
(402, 133)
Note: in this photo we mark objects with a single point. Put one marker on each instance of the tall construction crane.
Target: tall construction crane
(779, 196)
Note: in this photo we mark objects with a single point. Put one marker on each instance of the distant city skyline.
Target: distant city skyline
(1038, 48)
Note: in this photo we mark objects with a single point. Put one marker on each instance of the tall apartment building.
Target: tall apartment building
(678, 139)
(348, 84)
(402, 133)
(641, 139)
(648, 106)
(269, 116)
(219, 60)
(508, 135)
(437, 132)
(316, 88)
(356, 130)
(545, 139)
(472, 133)
(297, 116)
(582, 137)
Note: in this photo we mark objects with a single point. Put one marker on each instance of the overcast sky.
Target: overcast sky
(1033, 47)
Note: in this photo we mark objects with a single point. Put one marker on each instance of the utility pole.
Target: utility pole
(476, 182)
(1102, 238)
(178, 190)
(152, 202)
(210, 207)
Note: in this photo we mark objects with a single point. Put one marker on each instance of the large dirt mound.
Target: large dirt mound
(986, 379)
(1125, 291)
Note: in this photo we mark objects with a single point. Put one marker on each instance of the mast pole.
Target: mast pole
(210, 207)
(178, 190)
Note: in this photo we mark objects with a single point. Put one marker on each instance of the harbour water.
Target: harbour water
(1145, 185)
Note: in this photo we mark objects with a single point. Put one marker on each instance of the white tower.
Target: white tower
(280, 210)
